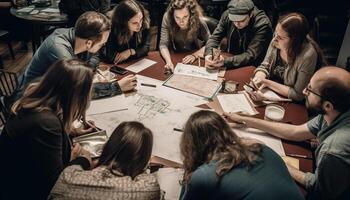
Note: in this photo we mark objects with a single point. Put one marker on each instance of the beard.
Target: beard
(314, 110)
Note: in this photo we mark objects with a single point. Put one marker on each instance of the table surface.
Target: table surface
(295, 113)
(61, 18)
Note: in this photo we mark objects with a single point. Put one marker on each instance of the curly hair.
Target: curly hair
(194, 22)
(122, 13)
(207, 137)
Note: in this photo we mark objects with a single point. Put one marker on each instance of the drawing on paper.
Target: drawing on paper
(148, 106)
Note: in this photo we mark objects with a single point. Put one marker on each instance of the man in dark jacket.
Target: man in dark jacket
(248, 31)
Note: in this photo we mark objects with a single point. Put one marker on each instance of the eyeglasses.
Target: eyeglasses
(308, 90)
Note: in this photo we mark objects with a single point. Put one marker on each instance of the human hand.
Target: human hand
(127, 83)
(237, 118)
(83, 129)
(189, 59)
(78, 151)
(169, 67)
(214, 64)
(257, 96)
(120, 57)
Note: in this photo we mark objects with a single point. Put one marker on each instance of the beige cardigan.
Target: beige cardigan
(100, 183)
(296, 76)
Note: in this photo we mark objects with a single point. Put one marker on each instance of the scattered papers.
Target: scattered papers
(236, 103)
(141, 65)
(272, 96)
(194, 85)
(25, 10)
(195, 71)
(112, 104)
(169, 181)
(51, 10)
(273, 142)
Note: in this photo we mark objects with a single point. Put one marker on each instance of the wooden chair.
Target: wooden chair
(8, 84)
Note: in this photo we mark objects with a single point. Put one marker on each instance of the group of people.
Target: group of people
(56, 89)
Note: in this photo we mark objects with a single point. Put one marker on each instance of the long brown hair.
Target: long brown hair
(64, 89)
(122, 13)
(297, 28)
(195, 12)
(207, 137)
(128, 150)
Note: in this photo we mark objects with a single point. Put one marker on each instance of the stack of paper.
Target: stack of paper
(236, 103)
(195, 71)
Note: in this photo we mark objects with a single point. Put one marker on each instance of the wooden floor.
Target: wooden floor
(22, 57)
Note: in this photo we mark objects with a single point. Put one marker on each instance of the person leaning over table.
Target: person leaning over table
(327, 94)
(183, 30)
(292, 58)
(248, 32)
(34, 144)
(120, 172)
(83, 41)
(130, 36)
(220, 165)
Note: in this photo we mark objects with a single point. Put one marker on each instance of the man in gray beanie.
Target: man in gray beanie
(248, 31)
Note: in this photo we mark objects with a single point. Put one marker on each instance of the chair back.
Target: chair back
(211, 23)
(8, 84)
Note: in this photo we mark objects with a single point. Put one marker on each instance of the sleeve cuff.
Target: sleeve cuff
(82, 161)
(309, 180)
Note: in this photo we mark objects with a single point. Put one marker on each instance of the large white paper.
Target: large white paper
(141, 65)
(169, 181)
(159, 108)
(269, 140)
(192, 70)
(236, 103)
(110, 104)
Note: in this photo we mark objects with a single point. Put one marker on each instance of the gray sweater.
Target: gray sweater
(179, 41)
(296, 76)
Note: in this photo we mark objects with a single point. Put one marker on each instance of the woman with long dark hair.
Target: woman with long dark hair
(183, 30)
(292, 58)
(220, 165)
(34, 144)
(130, 35)
(120, 172)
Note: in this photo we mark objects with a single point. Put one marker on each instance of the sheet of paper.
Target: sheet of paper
(159, 108)
(291, 161)
(236, 103)
(51, 10)
(194, 85)
(110, 104)
(271, 95)
(192, 70)
(25, 10)
(169, 181)
(269, 140)
(141, 65)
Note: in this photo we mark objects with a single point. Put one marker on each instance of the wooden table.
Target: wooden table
(295, 113)
(38, 24)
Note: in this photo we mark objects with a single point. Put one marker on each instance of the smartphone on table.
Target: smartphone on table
(118, 70)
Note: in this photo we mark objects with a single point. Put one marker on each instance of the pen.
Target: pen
(251, 87)
(298, 156)
(148, 85)
(178, 129)
(90, 125)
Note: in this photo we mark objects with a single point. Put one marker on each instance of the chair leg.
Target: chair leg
(11, 50)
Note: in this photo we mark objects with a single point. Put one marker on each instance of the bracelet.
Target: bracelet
(195, 57)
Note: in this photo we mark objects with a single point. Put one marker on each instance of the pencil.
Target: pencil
(148, 85)
(298, 156)
(177, 129)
